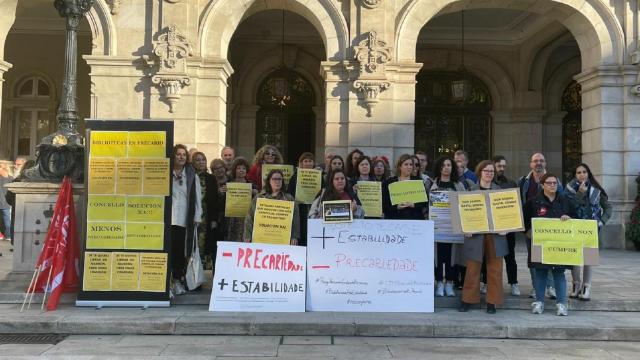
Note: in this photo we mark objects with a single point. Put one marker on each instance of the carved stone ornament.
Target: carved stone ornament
(372, 54)
(172, 50)
(371, 89)
(114, 5)
(371, 4)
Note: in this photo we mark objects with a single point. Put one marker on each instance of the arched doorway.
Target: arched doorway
(571, 129)
(447, 120)
(285, 117)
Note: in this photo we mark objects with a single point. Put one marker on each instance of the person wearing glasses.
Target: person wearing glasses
(235, 225)
(380, 169)
(490, 247)
(530, 188)
(591, 203)
(273, 189)
(267, 154)
(336, 189)
(549, 203)
(186, 214)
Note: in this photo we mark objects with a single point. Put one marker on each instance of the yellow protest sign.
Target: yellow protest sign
(106, 208)
(272, 221)
(108, 143)
(506, 210)
(145, 208)
(129, 177)
(156, 177)
(287, 171)
(105, 235)
(144, 236)
(563, 252)
(102, 176)
(308, 185)
(125, 271)
(408, 191)
(473, 213)
(153, 272)
(147, 144)
(238, 199)
(370, 195)
(588, 231)
(97, 271)
(550, 230)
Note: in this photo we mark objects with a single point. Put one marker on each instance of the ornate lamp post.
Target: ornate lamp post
(62, 153)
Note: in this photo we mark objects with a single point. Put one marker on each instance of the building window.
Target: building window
(571, 129)
(446, 122)
(32, 115)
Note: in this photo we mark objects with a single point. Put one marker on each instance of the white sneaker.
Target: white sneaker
(532, 293)
(537, 307)
(178, 288)
(439, 289)
(515, 290)
(483, 288)
(575, 290)
(448, 289)
(585, 295)
(561, 310)
(551, 293)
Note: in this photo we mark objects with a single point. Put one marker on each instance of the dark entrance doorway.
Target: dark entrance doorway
(285, 118)
(447, 119)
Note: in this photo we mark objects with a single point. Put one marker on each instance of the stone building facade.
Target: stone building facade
(560, 77)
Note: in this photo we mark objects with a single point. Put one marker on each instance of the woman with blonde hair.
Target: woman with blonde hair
(267, 154)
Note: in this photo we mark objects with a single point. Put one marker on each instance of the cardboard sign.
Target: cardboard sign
(272, 221)
(486, 211)
(287, 171)
(308, 185)
(238, 199)
(408, 191)
(370, 195)
(572, 242)
(370, 266)
(259, 278)
(337, 211)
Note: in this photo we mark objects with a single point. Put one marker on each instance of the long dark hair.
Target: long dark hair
(592, 179)
(267, 183)
(330, 193)
(351, 171)
(439, 164)
(357, 169)
(336, 157)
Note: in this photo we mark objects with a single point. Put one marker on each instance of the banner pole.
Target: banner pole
(46, 288)
(31, 284)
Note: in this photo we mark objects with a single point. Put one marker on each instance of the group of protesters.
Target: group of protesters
(475, 267)
(9, 172)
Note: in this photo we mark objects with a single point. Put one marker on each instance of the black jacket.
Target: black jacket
(392, 212)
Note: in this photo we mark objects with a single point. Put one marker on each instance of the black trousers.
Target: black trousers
(510, 259)
(177, 257)
(443, 263)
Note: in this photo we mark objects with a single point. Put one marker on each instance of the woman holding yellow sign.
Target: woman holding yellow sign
(591, 203)
(548, 204)
(267, 154)
(337, 189)
(235, 224)
(491, 247)
(404, 210)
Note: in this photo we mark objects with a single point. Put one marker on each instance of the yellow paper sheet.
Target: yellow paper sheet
(105, 235)
(370, 195)
(287, 171)
(102, 176)
(129, 177)
(147, 144)
(272, 221)
(238, 199)
(106, 208)
(125, 271)
(153, 272)
(308, 185)
(156, 177)
(144, 236)
(408, 191)
(145, 208)
(473, 213)
(562, 253)
(108, 143)
(97, 271)
(506, 210)
(546, 230)
(587, 230)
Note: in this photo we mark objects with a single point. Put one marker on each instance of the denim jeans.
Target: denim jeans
(558, 279)
(6, 220)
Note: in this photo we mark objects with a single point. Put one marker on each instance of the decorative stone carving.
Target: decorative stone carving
(371, 89)
(114, 5)
(172, 50)
(372, 54)
(370, 4)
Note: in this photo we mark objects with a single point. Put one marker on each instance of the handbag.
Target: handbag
(195, 272)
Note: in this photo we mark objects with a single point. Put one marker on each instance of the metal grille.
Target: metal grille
(31, 338)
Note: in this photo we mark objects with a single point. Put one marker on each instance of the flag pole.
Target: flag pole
(46, 288)
(29, 290)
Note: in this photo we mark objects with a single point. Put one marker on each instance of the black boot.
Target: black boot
(491, 308)
(464, 307)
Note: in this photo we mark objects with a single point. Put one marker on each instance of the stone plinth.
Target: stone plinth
(34, 209)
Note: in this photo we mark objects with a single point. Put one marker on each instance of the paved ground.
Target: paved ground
(318, 347)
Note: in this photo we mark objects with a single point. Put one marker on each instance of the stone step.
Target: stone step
(514, 324)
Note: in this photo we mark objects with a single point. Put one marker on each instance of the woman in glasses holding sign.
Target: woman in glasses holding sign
(273, 189)
(591, 203)
(548, 204)
(337, 189)
(492, 247)
(267, 154)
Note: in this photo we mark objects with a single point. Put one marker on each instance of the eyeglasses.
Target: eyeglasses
(488, 171)
(218, 168)
(270, 153)
(551, 183)
(276, 179)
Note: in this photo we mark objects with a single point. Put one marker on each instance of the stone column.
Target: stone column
(401, 120)
(320, 124)
(245, 130)
(519, 130)
(338, 96)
